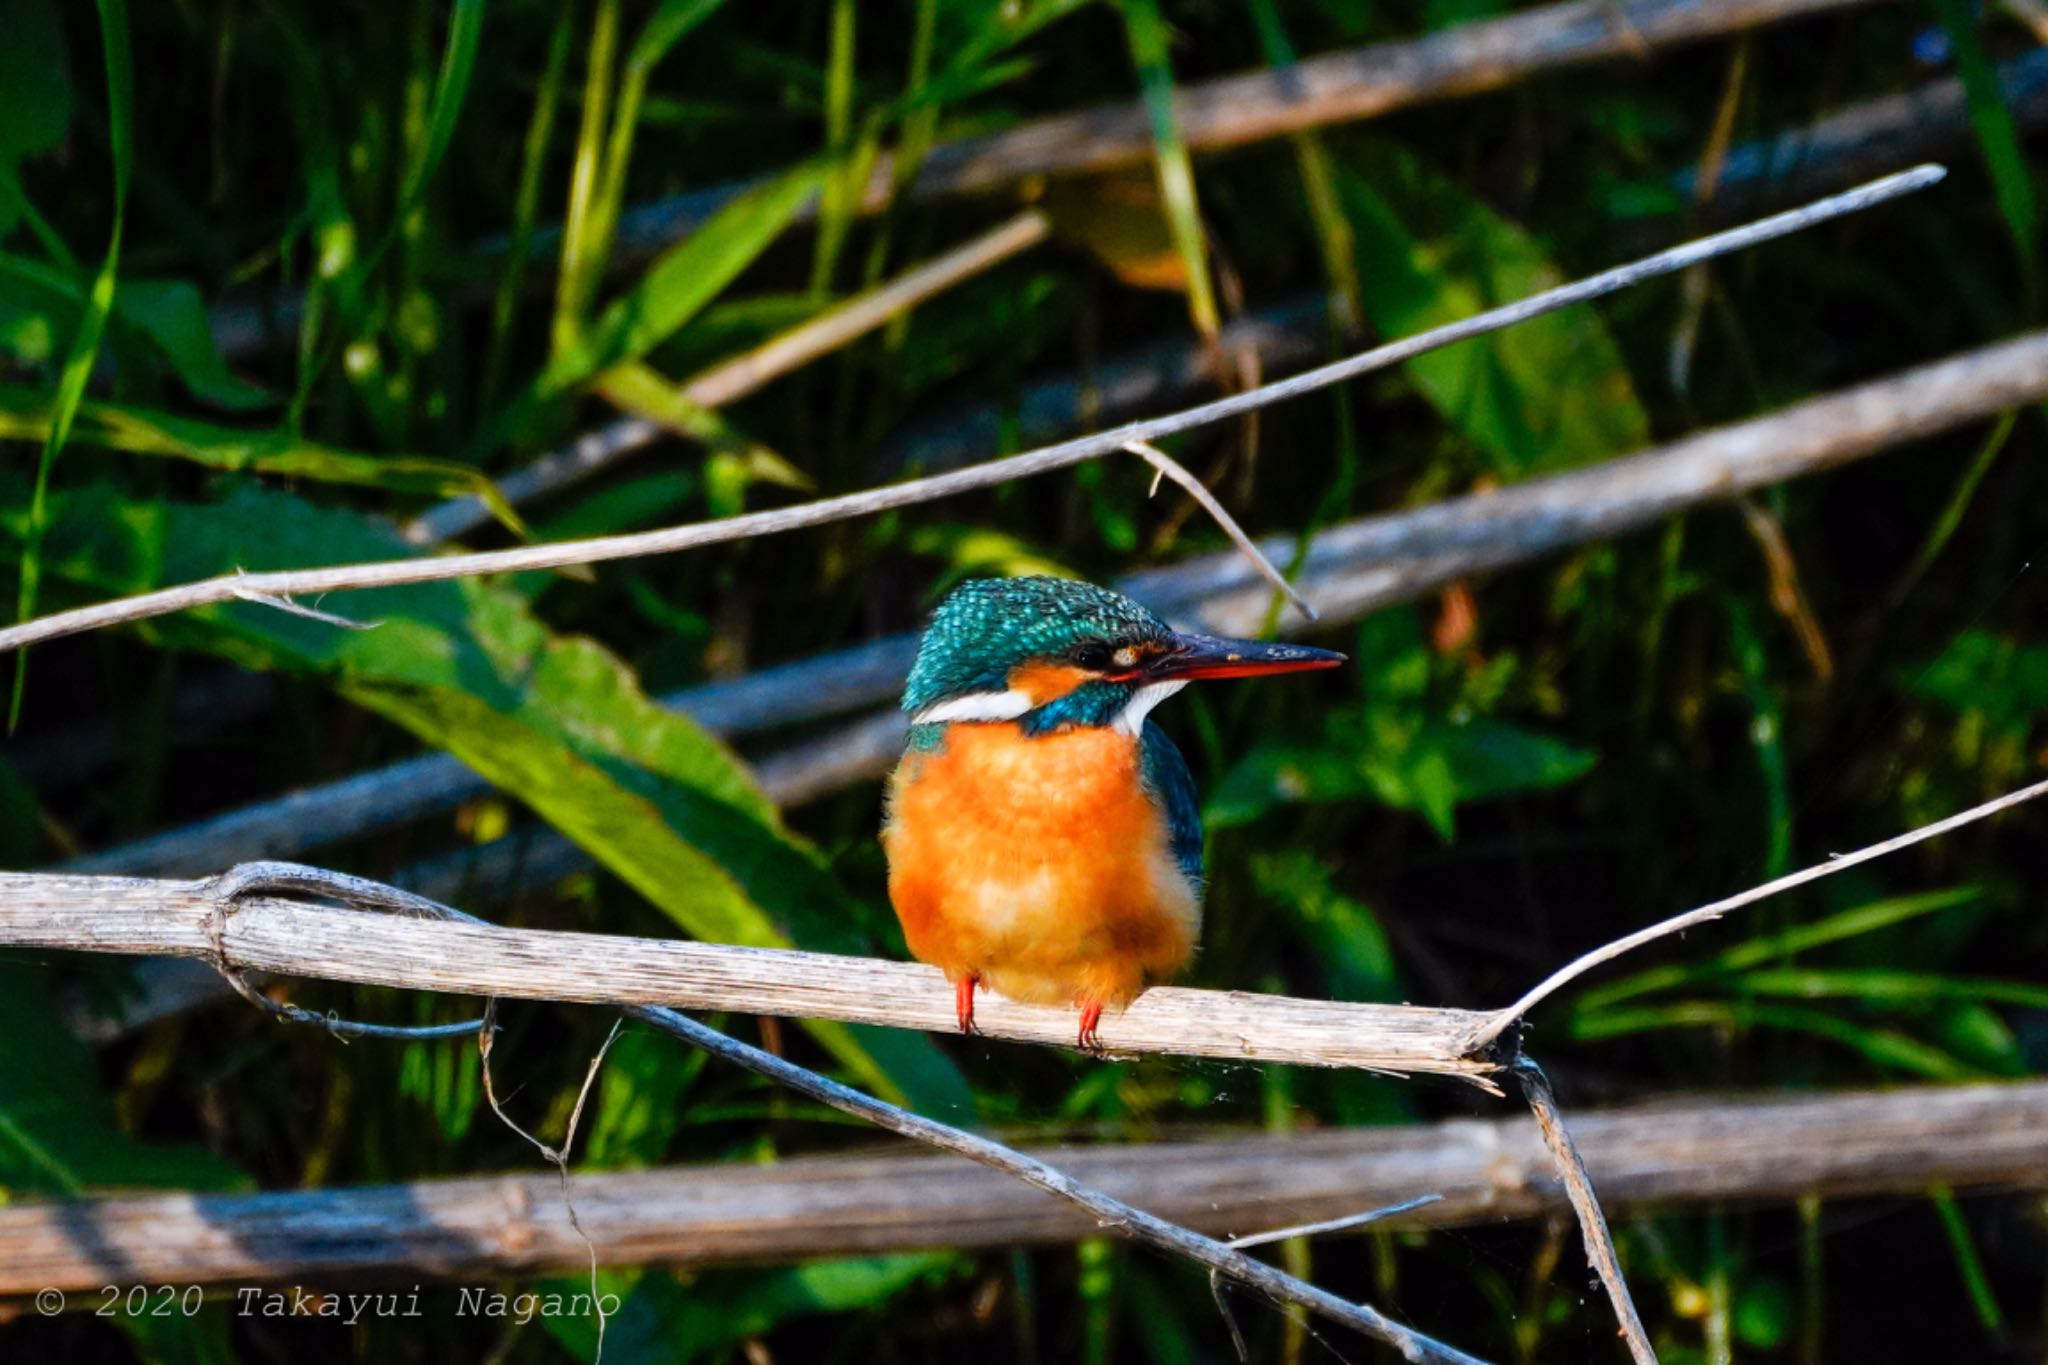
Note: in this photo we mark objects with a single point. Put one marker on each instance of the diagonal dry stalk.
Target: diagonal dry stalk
(344, 578)
(1578, 1187)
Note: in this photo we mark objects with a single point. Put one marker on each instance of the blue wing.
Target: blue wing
(1166, 775)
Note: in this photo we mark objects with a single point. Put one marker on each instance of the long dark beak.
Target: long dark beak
(1206, 656)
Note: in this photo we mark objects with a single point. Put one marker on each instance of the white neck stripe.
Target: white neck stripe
(976, 706)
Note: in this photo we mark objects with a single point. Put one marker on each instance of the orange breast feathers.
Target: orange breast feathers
(1039, 865)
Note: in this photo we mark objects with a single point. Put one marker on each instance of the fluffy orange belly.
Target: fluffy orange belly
(1038, 865)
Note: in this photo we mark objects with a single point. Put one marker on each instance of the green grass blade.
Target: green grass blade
(1766, 737)
(583, 258)
(444, 108)
(15, 204)
(1976, 1279)
(662, 31)
(1864, 919)
(1150, 38)
(85, 343)
(1334, 238)
(839, 196)
(525, 210)
(1887, 985)
(682, 281)
(451, 90)
(1997, 138)
(1886, 1047)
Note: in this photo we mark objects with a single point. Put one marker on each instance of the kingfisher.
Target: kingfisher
(1042, 832)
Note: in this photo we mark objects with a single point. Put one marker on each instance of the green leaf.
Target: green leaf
(640, 1102)
(1544, 394)
(968, 550)
(169, 315)
(26, 415)
(35, 84)
(558, 722)
(172, 315)
(58, 1133)
(683, 280)
(2002, 679)
(1424, 763)
(1345, 934)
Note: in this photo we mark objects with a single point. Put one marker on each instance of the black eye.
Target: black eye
(1093, 656)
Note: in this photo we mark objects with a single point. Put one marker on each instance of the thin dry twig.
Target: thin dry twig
(558, 1157)
(1867, 137)
(1592, 1222)
(1110, 1213)
(1346, 1224)
(343, 578)
(1503, 1019)
(731, 380)
(1168, 467)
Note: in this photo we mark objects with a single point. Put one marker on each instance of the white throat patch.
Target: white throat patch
(1131, 719)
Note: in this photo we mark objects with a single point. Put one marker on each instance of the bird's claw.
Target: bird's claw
(1091, 1021)
(963, 1001)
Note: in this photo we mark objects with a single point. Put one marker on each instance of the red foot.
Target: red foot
(1091, 1017)
(963, 1001)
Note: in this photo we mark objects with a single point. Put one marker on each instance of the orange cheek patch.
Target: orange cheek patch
(1044, 682)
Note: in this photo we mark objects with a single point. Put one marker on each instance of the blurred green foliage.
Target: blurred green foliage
(322, 266)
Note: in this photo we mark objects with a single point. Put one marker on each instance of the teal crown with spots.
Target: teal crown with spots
(988, 626)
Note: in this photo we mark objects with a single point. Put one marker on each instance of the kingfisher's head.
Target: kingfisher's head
(1051, 653)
